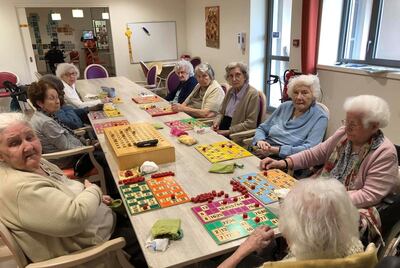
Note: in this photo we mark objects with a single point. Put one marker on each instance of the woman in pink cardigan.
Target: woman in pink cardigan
(357, 154)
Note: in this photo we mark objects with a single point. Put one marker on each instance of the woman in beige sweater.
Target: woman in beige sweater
(240, 107)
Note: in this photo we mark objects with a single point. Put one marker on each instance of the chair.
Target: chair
(71, 260)
(366, 259)
(144, 67)
(195, 61)
(241, 137)
(172, 81)
(8, 76)
(94, 71)
(95, 175)
(225, 87)
(151, 79)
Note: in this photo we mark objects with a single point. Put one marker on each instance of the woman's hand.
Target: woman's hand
(97, 107)
(215, 126)
(106, 199)
(263, 145)
(225, 133)
(259, 239)
(269, 163)
(177, 107)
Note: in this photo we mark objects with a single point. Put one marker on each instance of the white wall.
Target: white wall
(121, 12)
(337, 86)
(234, 18)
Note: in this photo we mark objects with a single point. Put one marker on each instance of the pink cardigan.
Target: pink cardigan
(377, 177)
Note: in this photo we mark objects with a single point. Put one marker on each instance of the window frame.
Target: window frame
(372, 37)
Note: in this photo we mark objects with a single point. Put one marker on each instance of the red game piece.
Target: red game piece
(172, 196)
(246, 195)
(222, 145)
(265, 173)
(224, 201)
(257, 219)
(235, 199)
(245, 216)
(204, 149)
(253, 187)
(222, 192)
(209, 201)
(145, 206)
(249, 178)
(256, 205)
(128, 173)
(226, 195)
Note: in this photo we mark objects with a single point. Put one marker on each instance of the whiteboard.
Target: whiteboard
(153, 41)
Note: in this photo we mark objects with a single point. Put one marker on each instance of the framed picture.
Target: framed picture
(100, 31)
(212, 26)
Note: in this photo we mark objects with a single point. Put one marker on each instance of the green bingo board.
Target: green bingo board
(139, 198)
(235, 227)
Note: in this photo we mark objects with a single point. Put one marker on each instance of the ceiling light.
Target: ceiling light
(77, 13)
(55, 16)
(105, 15)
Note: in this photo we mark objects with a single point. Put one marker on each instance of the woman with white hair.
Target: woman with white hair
(240, 107)
(206, 97)
(318, 221)
(184, 70)
(357, 154)
(69, 73)
(295, 125)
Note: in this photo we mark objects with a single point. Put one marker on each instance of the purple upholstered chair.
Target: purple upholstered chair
(95, 71)
(151, 79)
(172, 81)
(144, 67)
(195, 61)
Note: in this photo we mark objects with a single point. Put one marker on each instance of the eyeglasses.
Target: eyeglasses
(351, 124)
(71, 74)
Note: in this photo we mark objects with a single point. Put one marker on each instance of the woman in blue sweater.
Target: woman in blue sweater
(295, 125)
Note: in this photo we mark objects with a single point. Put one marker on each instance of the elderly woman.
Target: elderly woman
(310, 228)
(71, 117)
(206, 97)
(69, 73)
(48, 214)
(295, 125)
(184, 70)
(358, 155)
(240, 107)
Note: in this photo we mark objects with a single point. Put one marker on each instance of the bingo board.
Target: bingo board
(122, 139)
(128, 173)
(167, 191)
(185, 124)
(222, 151)
(159, 111)
(138, 197)
(146, 99)
(225, 208)
(263, 184)
(104, 114)
(99, 127)
(235, 227)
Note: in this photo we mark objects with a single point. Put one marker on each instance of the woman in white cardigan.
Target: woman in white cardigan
(69, 73)
(206, 97)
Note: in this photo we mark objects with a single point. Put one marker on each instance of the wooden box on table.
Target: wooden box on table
(122, 140)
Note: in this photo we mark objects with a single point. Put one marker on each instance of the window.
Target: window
(278, 46)
(369, 32)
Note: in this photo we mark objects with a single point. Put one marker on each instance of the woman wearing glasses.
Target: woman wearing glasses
(69, 73)
(206, 97)
(357, 154)
(240, 107)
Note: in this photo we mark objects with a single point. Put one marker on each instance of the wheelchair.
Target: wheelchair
(390, 218)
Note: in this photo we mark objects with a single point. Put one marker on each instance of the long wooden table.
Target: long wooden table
(191, 172)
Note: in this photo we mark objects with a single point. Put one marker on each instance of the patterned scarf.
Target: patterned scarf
(343, 166)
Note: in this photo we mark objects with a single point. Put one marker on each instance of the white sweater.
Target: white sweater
(71, 97)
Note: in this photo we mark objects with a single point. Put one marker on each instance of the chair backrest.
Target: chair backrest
(286, 77)
(8, 76)
(93, 71)
(172, 81)
(195, 61)
(262, 114)
(12, 245)
(225, 87)
(152, 75)
(323, 106)
(367, 259)
(145, 69)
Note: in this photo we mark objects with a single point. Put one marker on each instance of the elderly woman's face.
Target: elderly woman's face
(70, 77)
(51, 103)
(182, 74)
(236, 78)
(203, 79)
(20, 148)
(302, 98)
(355, 130)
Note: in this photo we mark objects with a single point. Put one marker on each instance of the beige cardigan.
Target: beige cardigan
(45, 216)
(246, 113)
(213, 96)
